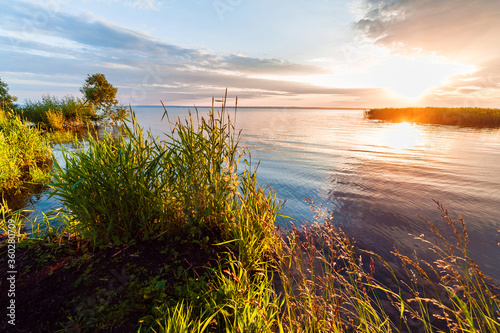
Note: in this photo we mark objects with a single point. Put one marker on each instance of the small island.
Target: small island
(464, 116)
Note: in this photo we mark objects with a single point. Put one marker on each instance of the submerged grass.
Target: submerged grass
(470, 117)
(188, 193)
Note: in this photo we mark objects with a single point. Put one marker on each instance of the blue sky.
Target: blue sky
(359, 53)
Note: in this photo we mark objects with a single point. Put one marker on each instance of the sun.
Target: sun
(413, 77)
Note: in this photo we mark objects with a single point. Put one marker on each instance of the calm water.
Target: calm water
(374, 178)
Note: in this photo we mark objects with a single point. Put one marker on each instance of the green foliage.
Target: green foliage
(133, 187)
(180, 319)
(15, 218)
(472, 117)
(26, 155)
(99, 92)
(58, 114)
(58, 137)
(245, 302)
(113, 188)
(6, 100)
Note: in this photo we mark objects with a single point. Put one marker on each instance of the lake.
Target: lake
(373, 177)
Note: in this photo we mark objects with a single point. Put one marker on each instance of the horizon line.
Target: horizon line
(260, 107)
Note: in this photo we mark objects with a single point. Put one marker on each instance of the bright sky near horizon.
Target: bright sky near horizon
(324, 53)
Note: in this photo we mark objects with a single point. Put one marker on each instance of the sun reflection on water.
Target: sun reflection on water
(402, 136)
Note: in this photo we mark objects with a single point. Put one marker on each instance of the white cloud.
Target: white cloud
(139, 4)
(463, 31)
(146, 4)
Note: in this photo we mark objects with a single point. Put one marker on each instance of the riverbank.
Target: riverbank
(467, 117)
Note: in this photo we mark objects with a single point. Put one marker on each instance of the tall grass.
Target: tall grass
(331, 286)
(26, 155)
(472, 117)
(135, 186)
(58, 114)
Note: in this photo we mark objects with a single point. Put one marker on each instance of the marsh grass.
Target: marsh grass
(58, 137)
(52, 113)
(471, 299)
(134, 187)
(329, 285)
(470, 117)
(26, 156)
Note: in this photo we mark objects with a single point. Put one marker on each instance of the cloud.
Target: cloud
(463, 31)
(455, 28)
(139, 4)
(142, 67)
(86, 30)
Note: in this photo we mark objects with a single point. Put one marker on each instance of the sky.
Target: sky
(322, 53)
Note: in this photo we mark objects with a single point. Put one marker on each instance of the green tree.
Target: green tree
(6, 100)
(98, 91)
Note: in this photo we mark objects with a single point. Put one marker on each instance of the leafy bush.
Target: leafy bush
(55, 120)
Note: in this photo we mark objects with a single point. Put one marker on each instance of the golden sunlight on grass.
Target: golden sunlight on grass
(465, 116)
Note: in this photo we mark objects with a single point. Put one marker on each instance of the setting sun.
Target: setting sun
(412, 77)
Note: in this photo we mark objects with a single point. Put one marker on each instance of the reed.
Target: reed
(26, 156)
(469, 117)
(134, 187)
(56, 114)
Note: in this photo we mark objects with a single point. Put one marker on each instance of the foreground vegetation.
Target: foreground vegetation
(178, 236)
(471, 117)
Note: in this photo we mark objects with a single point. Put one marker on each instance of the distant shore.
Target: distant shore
(467, 117)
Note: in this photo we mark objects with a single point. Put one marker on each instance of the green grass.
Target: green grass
(58, 137)
(470, 117)
(26, 156)
(134, 187)
(56, 114)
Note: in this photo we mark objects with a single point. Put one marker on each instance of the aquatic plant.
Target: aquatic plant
(465, 116)
(26, 156)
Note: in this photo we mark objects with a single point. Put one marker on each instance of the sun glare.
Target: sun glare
(401, 136)
(412, 77)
